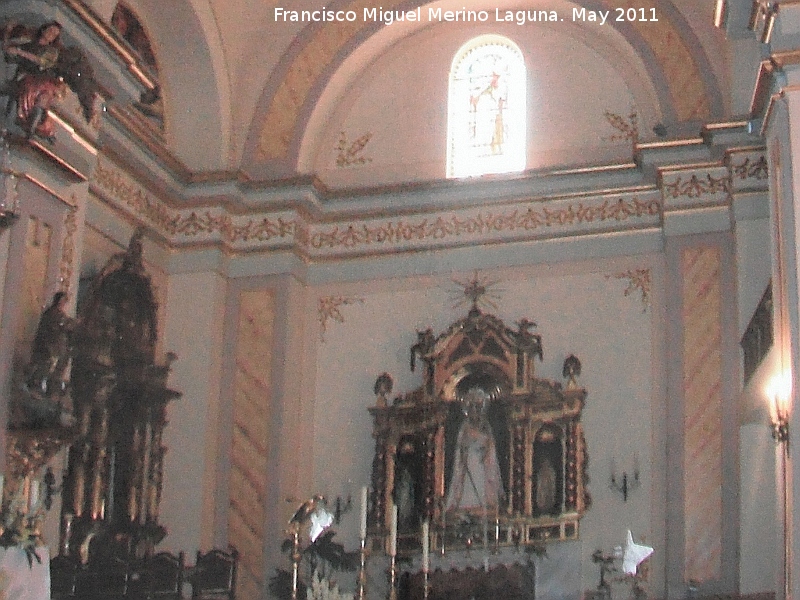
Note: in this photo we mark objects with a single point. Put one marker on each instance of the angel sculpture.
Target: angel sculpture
(571, 371)
(44, 71)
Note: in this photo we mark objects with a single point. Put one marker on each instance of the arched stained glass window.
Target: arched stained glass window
(486, 108)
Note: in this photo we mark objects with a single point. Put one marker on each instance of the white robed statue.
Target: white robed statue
(475, 482)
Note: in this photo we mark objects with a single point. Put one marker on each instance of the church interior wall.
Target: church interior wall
(375, 323)
(278, 351)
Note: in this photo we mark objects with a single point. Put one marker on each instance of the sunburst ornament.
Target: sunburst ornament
(478, 291)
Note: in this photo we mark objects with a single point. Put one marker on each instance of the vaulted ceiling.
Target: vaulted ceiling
(246, 93)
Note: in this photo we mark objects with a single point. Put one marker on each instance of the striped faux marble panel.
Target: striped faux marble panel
(249, 447)
(702, 393)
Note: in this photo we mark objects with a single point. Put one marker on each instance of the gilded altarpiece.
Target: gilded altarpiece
(484, 450)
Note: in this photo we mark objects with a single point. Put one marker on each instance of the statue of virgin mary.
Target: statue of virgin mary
(475, 482)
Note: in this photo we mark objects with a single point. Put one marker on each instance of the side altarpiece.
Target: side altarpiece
(484, 450)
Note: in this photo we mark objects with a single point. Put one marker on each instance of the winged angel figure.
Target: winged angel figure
(42, 72)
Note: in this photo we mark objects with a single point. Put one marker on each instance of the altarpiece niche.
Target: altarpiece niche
(484, 450)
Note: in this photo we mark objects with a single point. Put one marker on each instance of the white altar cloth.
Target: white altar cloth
(20, 580)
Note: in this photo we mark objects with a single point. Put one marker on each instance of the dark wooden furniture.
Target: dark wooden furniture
(214, 575)
(63, 577)
(160, 577)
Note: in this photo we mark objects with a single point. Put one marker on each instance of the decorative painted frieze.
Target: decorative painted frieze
(749, 169)
(528, 220)
(306, 223)
(685, 189)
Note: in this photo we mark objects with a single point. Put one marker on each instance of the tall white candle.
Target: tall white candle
(2, 487)
(393, 532)
(363, 522)
(33, 495)
(426, 559)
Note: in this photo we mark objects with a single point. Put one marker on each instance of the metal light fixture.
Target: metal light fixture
(779, 398)
(627, 483)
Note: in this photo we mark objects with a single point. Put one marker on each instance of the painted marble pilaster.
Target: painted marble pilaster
(702, 390)
(250, 438)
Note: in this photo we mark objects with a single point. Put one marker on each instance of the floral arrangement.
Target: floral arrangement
(323, 588)
(22, 521)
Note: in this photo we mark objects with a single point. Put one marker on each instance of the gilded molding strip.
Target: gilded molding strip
(638, 280)
(328, 308)
(66, 266)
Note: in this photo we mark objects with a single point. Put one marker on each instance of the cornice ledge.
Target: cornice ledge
(313, 238)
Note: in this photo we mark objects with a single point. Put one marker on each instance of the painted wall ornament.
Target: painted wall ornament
(627, 126)
(349, 153)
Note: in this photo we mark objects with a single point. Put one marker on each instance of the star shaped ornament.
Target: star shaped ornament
(634, 555)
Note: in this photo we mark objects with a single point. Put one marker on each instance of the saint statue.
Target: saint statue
(476, 482)
(51, 351)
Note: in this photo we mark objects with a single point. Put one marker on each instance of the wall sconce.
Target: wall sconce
(626, 484)
(779, 394)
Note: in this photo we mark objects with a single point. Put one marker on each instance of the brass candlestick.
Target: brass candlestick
(296, 556)
(425, 585)
(393, 578)
(362, 572)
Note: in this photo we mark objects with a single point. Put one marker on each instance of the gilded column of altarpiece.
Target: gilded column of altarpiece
(484, 450)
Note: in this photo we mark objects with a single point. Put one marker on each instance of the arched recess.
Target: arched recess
(380, 63)
(668, 51)
(194, 78)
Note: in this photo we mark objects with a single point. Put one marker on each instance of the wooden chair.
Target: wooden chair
(63, 577)
(214, 575)
(106, 579)
(162, 576)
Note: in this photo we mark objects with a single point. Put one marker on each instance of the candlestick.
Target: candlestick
(393, 533)
(425, 546)
(393, 578)
(361, 592)
(363, 522)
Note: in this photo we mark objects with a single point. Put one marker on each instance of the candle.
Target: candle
(426, 559)
(33, 496)
(2, 485)
(363, 529)
(393, 532)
